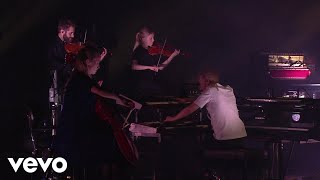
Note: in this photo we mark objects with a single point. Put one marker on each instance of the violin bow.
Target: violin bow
(164, 44)
(85, 37)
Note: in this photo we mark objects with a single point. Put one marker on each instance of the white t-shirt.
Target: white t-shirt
(223, 112)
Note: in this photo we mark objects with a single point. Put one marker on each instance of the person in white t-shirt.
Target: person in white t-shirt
(222, 109)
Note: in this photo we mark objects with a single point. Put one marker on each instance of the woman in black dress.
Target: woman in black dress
(83, 139)
(145, 66)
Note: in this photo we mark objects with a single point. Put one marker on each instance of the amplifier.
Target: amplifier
(281, 112)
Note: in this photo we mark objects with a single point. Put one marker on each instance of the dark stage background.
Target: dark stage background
(225, 35)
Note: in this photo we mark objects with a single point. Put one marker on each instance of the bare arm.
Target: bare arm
(104, 94)
(138, 67)
(183, 113)
(186, 100)
(109, 95)
(167, 62)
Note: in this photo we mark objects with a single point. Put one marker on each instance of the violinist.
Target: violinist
(57, 53)
(145, 65)
(83, 139)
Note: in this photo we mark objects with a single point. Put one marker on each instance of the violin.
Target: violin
(158, 49)
(72, 50)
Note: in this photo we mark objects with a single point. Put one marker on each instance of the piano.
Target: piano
(158, 107)
(282, 117)
(273, 121)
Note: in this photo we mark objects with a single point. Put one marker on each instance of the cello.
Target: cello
(108, 113)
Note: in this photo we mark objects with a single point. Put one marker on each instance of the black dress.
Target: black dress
(82, 138)
(146, 81)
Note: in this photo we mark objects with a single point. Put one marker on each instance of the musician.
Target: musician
(57, 52)
(82, 138)
(220, 103)
(145, 66)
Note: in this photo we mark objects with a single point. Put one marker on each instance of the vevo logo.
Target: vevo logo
(30, 164)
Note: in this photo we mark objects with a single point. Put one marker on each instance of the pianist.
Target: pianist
(229, 130)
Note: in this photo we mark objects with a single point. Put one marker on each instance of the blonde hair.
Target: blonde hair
(211, 76)
(143, 32)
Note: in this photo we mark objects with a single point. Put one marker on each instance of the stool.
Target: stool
(211, 156)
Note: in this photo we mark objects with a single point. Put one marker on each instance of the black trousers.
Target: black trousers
(212, 143)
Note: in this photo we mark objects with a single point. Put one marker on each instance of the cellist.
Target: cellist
(83, 139)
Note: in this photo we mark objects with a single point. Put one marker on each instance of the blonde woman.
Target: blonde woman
(144, 65)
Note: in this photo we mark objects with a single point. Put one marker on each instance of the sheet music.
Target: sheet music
(138, 128)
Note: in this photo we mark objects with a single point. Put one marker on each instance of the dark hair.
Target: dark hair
(65, 24)
(89, 51)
